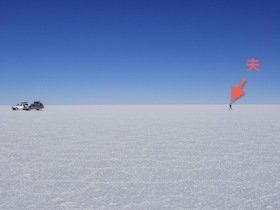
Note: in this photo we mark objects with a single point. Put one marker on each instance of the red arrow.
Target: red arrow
(236, 92)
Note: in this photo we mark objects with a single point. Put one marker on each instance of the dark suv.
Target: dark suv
(38, 105)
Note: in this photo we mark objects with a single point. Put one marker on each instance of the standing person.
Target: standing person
(230, 108)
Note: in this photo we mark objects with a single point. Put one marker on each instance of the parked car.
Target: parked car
(38, 105)
(20, 106)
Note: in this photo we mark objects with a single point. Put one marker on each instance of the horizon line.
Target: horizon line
(151, 104)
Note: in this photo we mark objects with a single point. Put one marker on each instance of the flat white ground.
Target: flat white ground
(140, 157)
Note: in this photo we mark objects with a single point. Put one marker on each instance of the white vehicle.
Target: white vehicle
(20, 106)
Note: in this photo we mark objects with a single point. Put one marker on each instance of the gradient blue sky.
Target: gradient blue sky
(138, 52)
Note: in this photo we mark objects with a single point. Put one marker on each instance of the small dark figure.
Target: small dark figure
(230, 108)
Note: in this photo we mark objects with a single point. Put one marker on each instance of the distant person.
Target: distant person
(230, 107)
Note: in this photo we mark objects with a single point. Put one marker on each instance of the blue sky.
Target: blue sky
(138, 52)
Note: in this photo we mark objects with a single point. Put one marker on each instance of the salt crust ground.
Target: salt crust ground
(140, 157)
